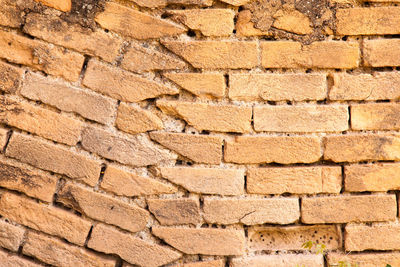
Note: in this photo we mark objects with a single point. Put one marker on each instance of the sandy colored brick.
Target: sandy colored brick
(53, 29)
(216, 54)
(295, 180)
(251, 211)
(344, 209)
(308, 118)
(200, 84)
(11, 236)
(236, 2)
(39, 55)
(11, 14)
(211, 263)
(206, 180)
(68, 98)
(131, 249)
(63, 5)
(245, 26)
(208, 241)
(362, 147)
(378, 86)
(210, 22)
(281, 260)
(122, 85)
(376, 116)
(279, 149)
(103, 208)
(326, 54)
(381, 52)
(225, 118)
(3, 138)
(163, 3)
(135, 151)
(293, 237)
(44, 218)
(53, 158)
(13, 260)
(10, 77)
(125, 183)
(368, 21)
(199, 148)
(37, 120)
(366, 259)
(277, 87)
(52, 251)
(175, 211)
(133, 119)
(135, 24)
(292, 20)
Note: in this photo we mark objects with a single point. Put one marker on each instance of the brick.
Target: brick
(381, 52)
(277, 87)
(293, 237)
(198, 148)
(11, 236)
(379, 86)
(294, 180)
(245, 26)
(366, 259)
(163, 3)
(3, 138)
(10, 14)
(362, 147)
(52, 251)
(216, 54)
(279, 149)
(326, 54)
(12, 260)
(39, 55)
(53, 158)
(212, 263)
(135, 151)
(122, 85)
(131, 249)
(236, 2)
(251, 211)
(292, 20)
(207, 241)
(308, 118)
(376, 116)
(63, 5)
(175, 211)
(135, 24)
(210, 22)
(128, 184)
(40, 121)
(132, 119)
(344, 209)
(206, 180)
(200, 84)
(44, 218)
(225, 118)
(281, 260)
(23, 178)
(103, 208)
(11, 78)
(368, 21)
(69, 98)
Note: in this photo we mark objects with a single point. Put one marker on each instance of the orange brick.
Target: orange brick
(11, 77)
(212, 263)
(175, 211)
(11, 14)
(236, 2)
(11, 236)
(366, 259)
(132, 119)
(162, 3)
(281, 260)
(245, 26)
(381, 52)
(63, 5)
(292, 20)
(377, 116)
(11, 260)
(3, 138)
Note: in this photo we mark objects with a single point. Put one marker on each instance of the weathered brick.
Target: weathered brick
(282, 260)
(10, 14)
(132, 119)
(162, 3)
(136, 150)
(216, 54)
(236, 2)
(309, 118)
(135, 24)
(295, 180)
(326, 54)
(52, 251)
(11, 77)
(3, 138)
(175, 211)
(103, 208)
(207, 241)
(199, 148)
(362, 147)
(63, 5)
(122, 85)
(277, 87)
(200, 84)
(11, 236)
(378, 86)
(368, 21)
(251, 211)
(279, 149)
(206, 180)
(51, 59)
(48, 219)
(245, 27)
(293, 237)
(53, 158)
(375, 116)
(365, 259)
(69, 98)
(12, 260)
(134, 250)
(381, 52)
(212, 263)
(225, 118)
(344, 209)
(128, 184)
(53, 29)
(292, 20)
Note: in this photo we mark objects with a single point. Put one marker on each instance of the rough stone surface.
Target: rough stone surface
(366, 259)
(12, 260)
(377, 116)
(282, 260)
(381, 52)
(11, 236)
(64, 5)
(132, 119)
(175, 211)
(10, 77)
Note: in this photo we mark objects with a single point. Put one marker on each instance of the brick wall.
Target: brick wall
(199, 132)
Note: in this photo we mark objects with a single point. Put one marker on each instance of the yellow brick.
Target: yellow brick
(382, 52)
(377, 116)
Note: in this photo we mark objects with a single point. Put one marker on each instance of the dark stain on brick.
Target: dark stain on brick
(83, 12)
(67, 197)
(11, 173)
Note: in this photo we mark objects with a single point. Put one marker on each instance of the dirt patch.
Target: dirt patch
(83, 12)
